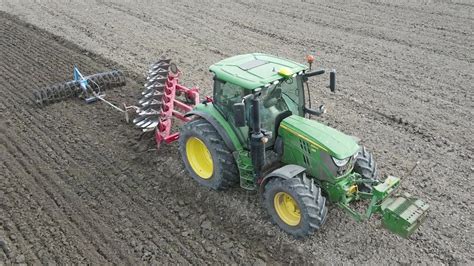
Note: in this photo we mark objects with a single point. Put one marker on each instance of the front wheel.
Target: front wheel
(296, 205)
(365, 166)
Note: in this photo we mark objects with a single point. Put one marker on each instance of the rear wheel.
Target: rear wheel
(205, 155)
(296, 205)
(365, 166)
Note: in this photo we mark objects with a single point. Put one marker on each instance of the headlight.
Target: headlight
(340, 163)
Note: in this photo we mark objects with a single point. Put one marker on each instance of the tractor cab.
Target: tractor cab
(278, 82)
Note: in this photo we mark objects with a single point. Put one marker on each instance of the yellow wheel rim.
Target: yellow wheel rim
(287, 208)
(199, 158)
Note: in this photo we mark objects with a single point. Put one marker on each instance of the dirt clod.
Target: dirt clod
(206, 225)
(20, 259)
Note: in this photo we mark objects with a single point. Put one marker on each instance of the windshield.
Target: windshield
(278, 98)
(284, 95)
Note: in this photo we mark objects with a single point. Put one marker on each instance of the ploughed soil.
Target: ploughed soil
(74, 188)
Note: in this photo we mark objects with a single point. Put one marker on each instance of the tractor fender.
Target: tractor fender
(286, 172)
(220, 129)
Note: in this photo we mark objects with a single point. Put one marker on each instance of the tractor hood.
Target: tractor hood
(319, 136)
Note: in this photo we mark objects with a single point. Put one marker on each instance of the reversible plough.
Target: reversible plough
(160, 103)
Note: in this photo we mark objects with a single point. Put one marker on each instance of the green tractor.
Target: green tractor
(255, 131)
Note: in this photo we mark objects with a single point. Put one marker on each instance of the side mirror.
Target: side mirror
(239, 114)
(332, 80)
(314, 73)
(321, 110)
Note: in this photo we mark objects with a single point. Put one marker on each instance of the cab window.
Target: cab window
(226, 95)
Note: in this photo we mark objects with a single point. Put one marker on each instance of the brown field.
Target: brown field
(74, 190)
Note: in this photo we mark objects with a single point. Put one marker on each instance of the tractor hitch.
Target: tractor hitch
(401, 214)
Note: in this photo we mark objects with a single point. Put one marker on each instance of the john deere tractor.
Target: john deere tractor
(255, 131)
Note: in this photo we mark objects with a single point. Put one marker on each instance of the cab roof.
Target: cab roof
(252, 71)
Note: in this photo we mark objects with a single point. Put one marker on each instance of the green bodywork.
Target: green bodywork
(319, 136)
(210, 109)
(251, 71)
(306, 142)
(309, 144)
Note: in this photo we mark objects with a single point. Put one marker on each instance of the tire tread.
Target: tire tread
(227, 173)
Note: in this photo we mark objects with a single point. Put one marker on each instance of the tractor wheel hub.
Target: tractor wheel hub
(199, 158)
(287, 208)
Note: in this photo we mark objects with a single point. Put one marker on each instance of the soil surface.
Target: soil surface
(73, 188)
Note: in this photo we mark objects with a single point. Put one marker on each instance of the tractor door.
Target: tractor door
(226, 95)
